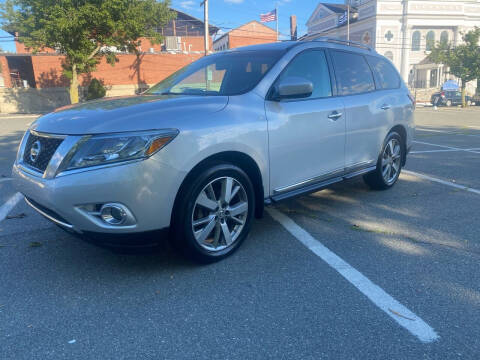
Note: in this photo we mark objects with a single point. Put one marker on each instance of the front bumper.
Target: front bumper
(147, 188)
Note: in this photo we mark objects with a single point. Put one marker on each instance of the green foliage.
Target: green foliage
(85, 30)
(463, 60)
(96, 90)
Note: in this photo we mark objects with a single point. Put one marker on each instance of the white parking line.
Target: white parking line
(5, 179)
(444, 182)
(9, 205)
(377, 295)
(446, 147)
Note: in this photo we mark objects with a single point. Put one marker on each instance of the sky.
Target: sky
(228, 14)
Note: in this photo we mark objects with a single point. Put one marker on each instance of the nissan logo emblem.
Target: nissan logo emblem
(35, 150)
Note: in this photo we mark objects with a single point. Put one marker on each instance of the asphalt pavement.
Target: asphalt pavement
(345, 273)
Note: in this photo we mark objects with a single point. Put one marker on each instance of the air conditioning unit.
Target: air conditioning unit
(173, 43)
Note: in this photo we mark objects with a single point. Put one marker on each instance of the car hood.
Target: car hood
(129, 113)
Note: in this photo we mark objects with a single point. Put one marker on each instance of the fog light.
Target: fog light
(113, 214)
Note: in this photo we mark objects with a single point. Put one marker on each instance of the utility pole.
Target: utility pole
(204, 3)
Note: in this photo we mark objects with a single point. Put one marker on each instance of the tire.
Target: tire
(469, 103)
(389, 164)
(207, 225)
(448, 103)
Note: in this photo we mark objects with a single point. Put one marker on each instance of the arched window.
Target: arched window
(430, 44)
(416, 41)
(389, 55)
(444, 37)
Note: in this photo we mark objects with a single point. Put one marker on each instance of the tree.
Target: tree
(85, 30)
(463, 60)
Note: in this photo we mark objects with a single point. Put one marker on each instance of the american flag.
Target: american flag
(270, 16)
(342, 19)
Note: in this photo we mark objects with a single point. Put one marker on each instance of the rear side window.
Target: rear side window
(311, 65)
(353, 73)
(387, 77)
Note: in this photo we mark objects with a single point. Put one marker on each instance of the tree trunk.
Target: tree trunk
(464, 90)
(74, 85)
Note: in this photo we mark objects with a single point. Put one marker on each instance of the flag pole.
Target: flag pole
(348, 20)
(276, 16)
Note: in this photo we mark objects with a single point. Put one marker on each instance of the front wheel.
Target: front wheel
(448, 103)
(389, 164)
(214, 213)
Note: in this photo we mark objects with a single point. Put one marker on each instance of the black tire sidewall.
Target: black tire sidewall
(182, 218)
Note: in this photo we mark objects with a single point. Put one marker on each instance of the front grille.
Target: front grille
(44, 149)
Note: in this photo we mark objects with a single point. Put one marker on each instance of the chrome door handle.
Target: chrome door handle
(385, 107)
(335, 115)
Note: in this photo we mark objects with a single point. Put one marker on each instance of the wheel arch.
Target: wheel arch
(237, 158)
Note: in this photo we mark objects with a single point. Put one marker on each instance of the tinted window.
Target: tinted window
(230, 73)
(311, 65)
(387, 77)
(353, 73)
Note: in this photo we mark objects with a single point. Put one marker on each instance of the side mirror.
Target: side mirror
(293, 87)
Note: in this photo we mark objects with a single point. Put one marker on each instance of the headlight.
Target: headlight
(96, 150)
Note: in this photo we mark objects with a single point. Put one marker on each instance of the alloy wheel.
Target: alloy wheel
(391, 159)
(219, 213)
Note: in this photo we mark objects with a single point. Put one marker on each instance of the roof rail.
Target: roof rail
(338, 41)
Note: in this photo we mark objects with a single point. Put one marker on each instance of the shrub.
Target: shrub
(96, 90)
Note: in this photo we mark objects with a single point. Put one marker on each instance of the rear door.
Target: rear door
(365, 112)
(307, 135)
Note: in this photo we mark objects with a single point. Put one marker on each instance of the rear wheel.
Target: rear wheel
(214, 214)
(389, 164)
(469, 102)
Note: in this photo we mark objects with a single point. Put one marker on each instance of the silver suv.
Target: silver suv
(202, 152)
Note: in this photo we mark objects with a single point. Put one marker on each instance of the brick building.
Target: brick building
(251, 33)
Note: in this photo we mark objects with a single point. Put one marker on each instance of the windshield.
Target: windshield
(229, 73)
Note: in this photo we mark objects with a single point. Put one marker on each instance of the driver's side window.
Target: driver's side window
(311, 65)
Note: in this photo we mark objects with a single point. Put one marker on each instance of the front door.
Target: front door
(306, 136)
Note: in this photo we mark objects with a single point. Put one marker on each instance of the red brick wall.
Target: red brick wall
(196, 42)
(22, 49)
(5, 71)
(251, 34)
(150, 69)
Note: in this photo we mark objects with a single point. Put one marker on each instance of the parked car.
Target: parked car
(449, 98)
(199, 154)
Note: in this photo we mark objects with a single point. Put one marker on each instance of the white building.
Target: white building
(403, 31)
